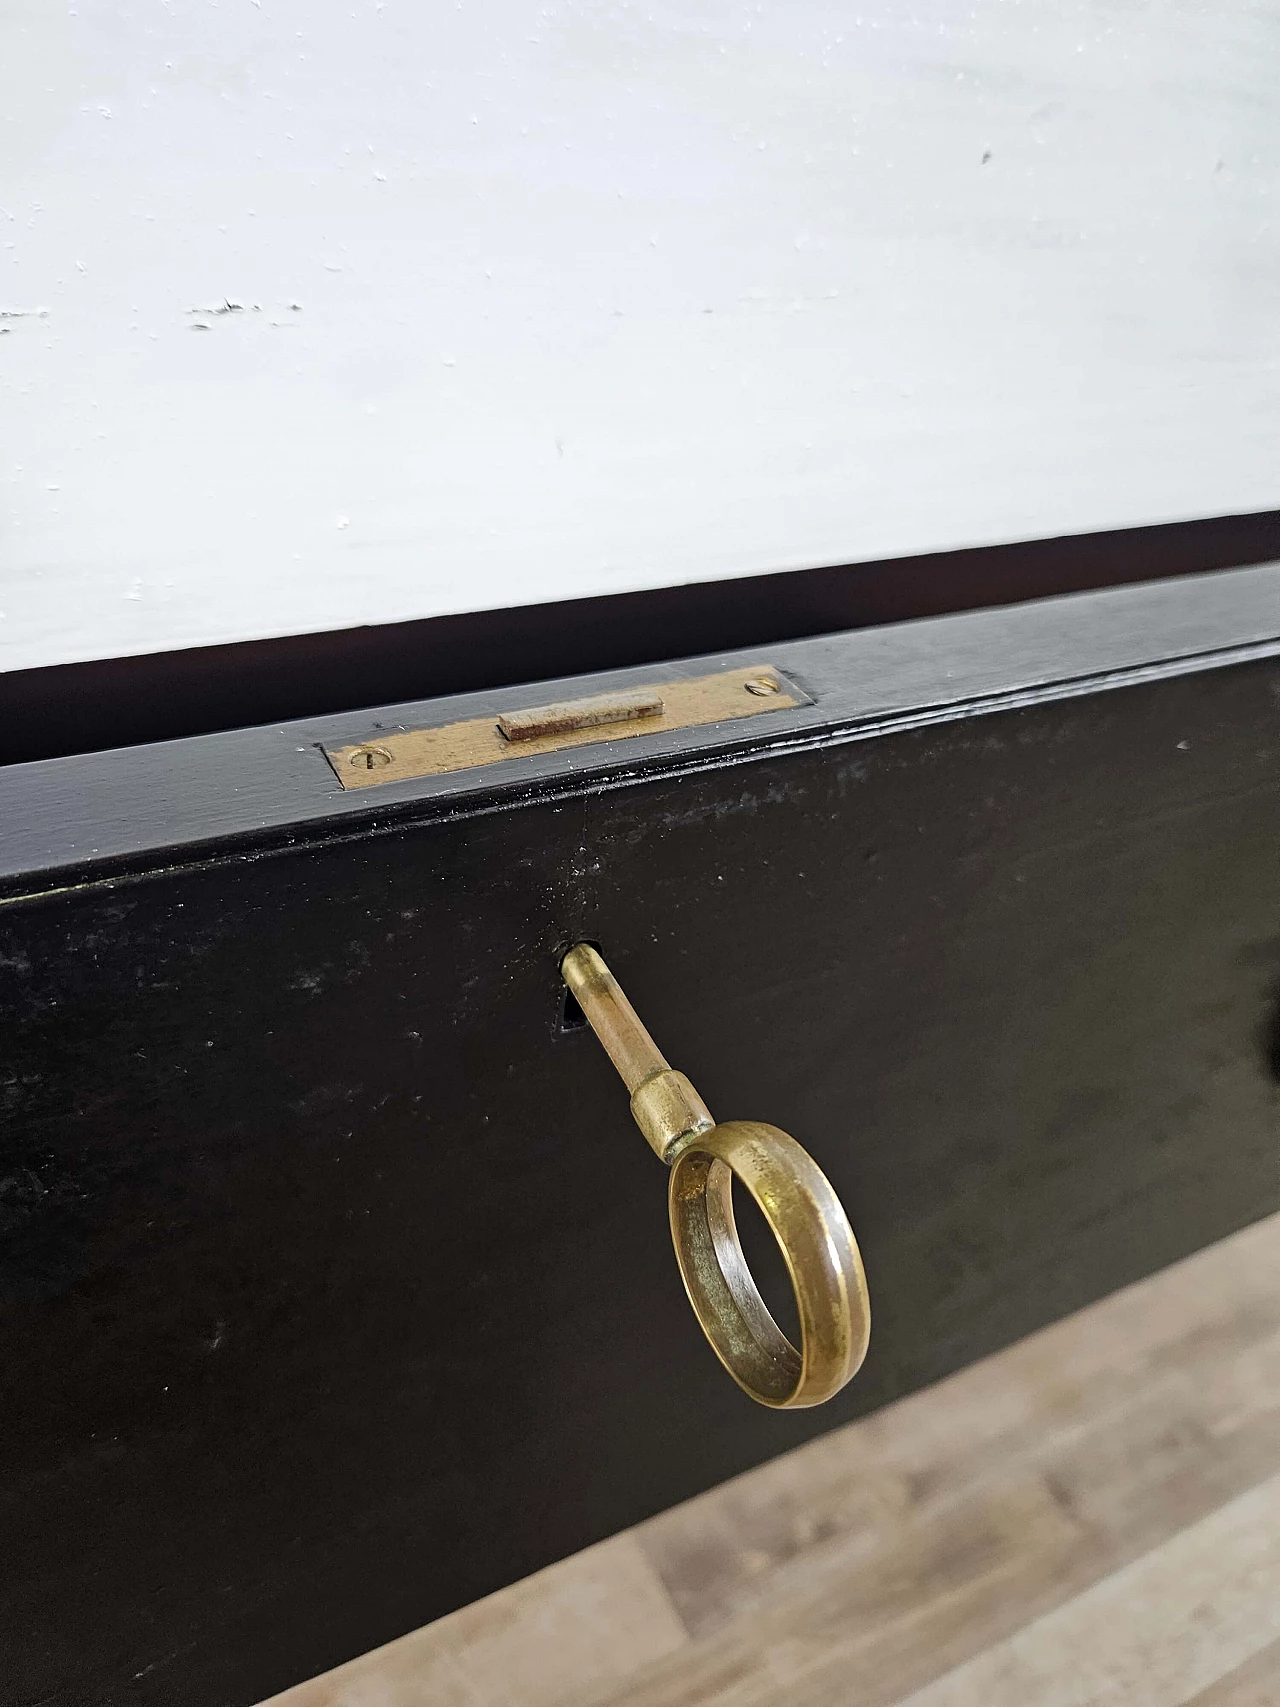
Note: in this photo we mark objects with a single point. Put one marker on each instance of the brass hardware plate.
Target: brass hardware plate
(401, 754)
(571, 714)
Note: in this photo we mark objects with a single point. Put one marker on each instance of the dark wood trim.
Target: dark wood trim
(98, 815)
(118, 702)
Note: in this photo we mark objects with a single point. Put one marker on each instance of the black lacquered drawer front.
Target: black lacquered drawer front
(335, 1268)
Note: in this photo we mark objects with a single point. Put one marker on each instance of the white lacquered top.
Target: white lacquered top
(319, 314)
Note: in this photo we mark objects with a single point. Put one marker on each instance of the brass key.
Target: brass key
(793, 1194)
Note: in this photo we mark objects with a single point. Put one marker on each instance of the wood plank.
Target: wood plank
(884, 1608)
(1064, 1479)
(1172, 1622)
(571, 1632)
(1131, 1358)
(1256, 1683)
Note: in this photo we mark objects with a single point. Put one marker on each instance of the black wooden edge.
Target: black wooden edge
(116, 702)
(99, 817)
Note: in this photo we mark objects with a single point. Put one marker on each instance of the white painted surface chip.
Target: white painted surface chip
(319, 314)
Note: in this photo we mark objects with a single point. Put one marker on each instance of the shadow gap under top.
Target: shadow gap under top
(59, 710)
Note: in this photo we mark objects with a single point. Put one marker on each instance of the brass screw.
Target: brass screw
(762, 684)
(370, 758)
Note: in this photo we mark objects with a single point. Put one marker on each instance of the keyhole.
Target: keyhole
(572, 1017)
(1271, 1033)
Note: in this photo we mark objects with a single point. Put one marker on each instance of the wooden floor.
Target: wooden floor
(1091, 1516)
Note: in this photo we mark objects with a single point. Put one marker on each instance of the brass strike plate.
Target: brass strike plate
(626, 715)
